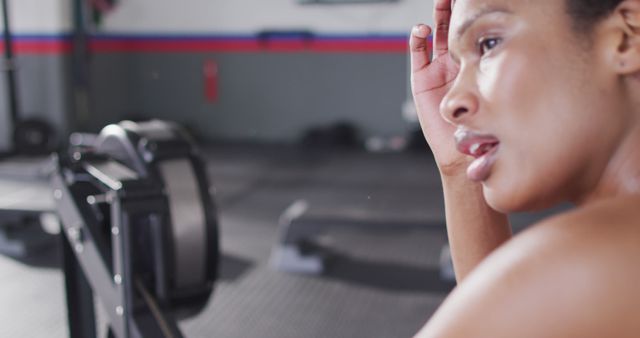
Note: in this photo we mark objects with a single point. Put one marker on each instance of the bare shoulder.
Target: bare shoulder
(574, 275)
(602, 225)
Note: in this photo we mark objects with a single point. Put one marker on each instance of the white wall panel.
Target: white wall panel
(39, 16)
(248, 16)
(225, 16)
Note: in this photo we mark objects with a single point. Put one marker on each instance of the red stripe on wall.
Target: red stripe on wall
(360, 46)
(294, 46)
(187, 45)
(40, 47)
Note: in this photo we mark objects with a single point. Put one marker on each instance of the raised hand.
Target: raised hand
(430, 82)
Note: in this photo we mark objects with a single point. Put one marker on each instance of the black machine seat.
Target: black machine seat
(140, 227)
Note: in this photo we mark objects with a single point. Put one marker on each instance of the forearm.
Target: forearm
(474, 228)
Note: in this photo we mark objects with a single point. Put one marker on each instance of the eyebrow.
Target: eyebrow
(471, 20)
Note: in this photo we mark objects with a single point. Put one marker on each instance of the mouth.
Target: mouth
(482, 147)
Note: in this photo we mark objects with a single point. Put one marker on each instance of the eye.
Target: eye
(487, 44)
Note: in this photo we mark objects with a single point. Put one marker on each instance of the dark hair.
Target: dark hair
(587, 13)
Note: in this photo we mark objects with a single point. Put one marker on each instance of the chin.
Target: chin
(501, 203)
(516, 198)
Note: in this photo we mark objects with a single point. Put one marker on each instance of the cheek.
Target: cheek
(530, 97)
(505, 80)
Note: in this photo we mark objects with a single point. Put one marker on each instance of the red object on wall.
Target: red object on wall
(210, 73)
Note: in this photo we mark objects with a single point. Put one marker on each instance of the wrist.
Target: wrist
(459, 184)
(464, 195)
(456, 170)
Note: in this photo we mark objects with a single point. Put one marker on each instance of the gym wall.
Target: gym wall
(241, 69)
(41, 45)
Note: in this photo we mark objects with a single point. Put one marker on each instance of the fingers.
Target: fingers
(420, 47)
(442, 16)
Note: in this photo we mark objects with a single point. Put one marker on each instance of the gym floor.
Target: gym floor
(378, 284)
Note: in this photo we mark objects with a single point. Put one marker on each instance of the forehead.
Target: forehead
(465, 11)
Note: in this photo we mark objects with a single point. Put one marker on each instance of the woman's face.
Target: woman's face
(539, 97)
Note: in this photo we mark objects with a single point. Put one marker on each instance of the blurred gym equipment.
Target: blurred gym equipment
(140, 229)
(300, 224)
(24, 188)
(26, 206)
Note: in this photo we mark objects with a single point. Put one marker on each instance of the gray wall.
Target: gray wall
(262, 96)
(42, 93)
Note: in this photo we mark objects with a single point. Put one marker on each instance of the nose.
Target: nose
(460, 103)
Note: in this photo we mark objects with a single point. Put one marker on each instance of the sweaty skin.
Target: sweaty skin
(558, 114)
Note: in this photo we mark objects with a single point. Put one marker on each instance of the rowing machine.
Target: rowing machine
(139, 229)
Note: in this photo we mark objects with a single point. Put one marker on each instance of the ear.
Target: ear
(624, 36)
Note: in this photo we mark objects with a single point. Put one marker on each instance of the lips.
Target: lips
(482, 147)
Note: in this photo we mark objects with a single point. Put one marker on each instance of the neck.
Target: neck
(622, 174)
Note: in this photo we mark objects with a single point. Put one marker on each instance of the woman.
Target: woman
(527, 104)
